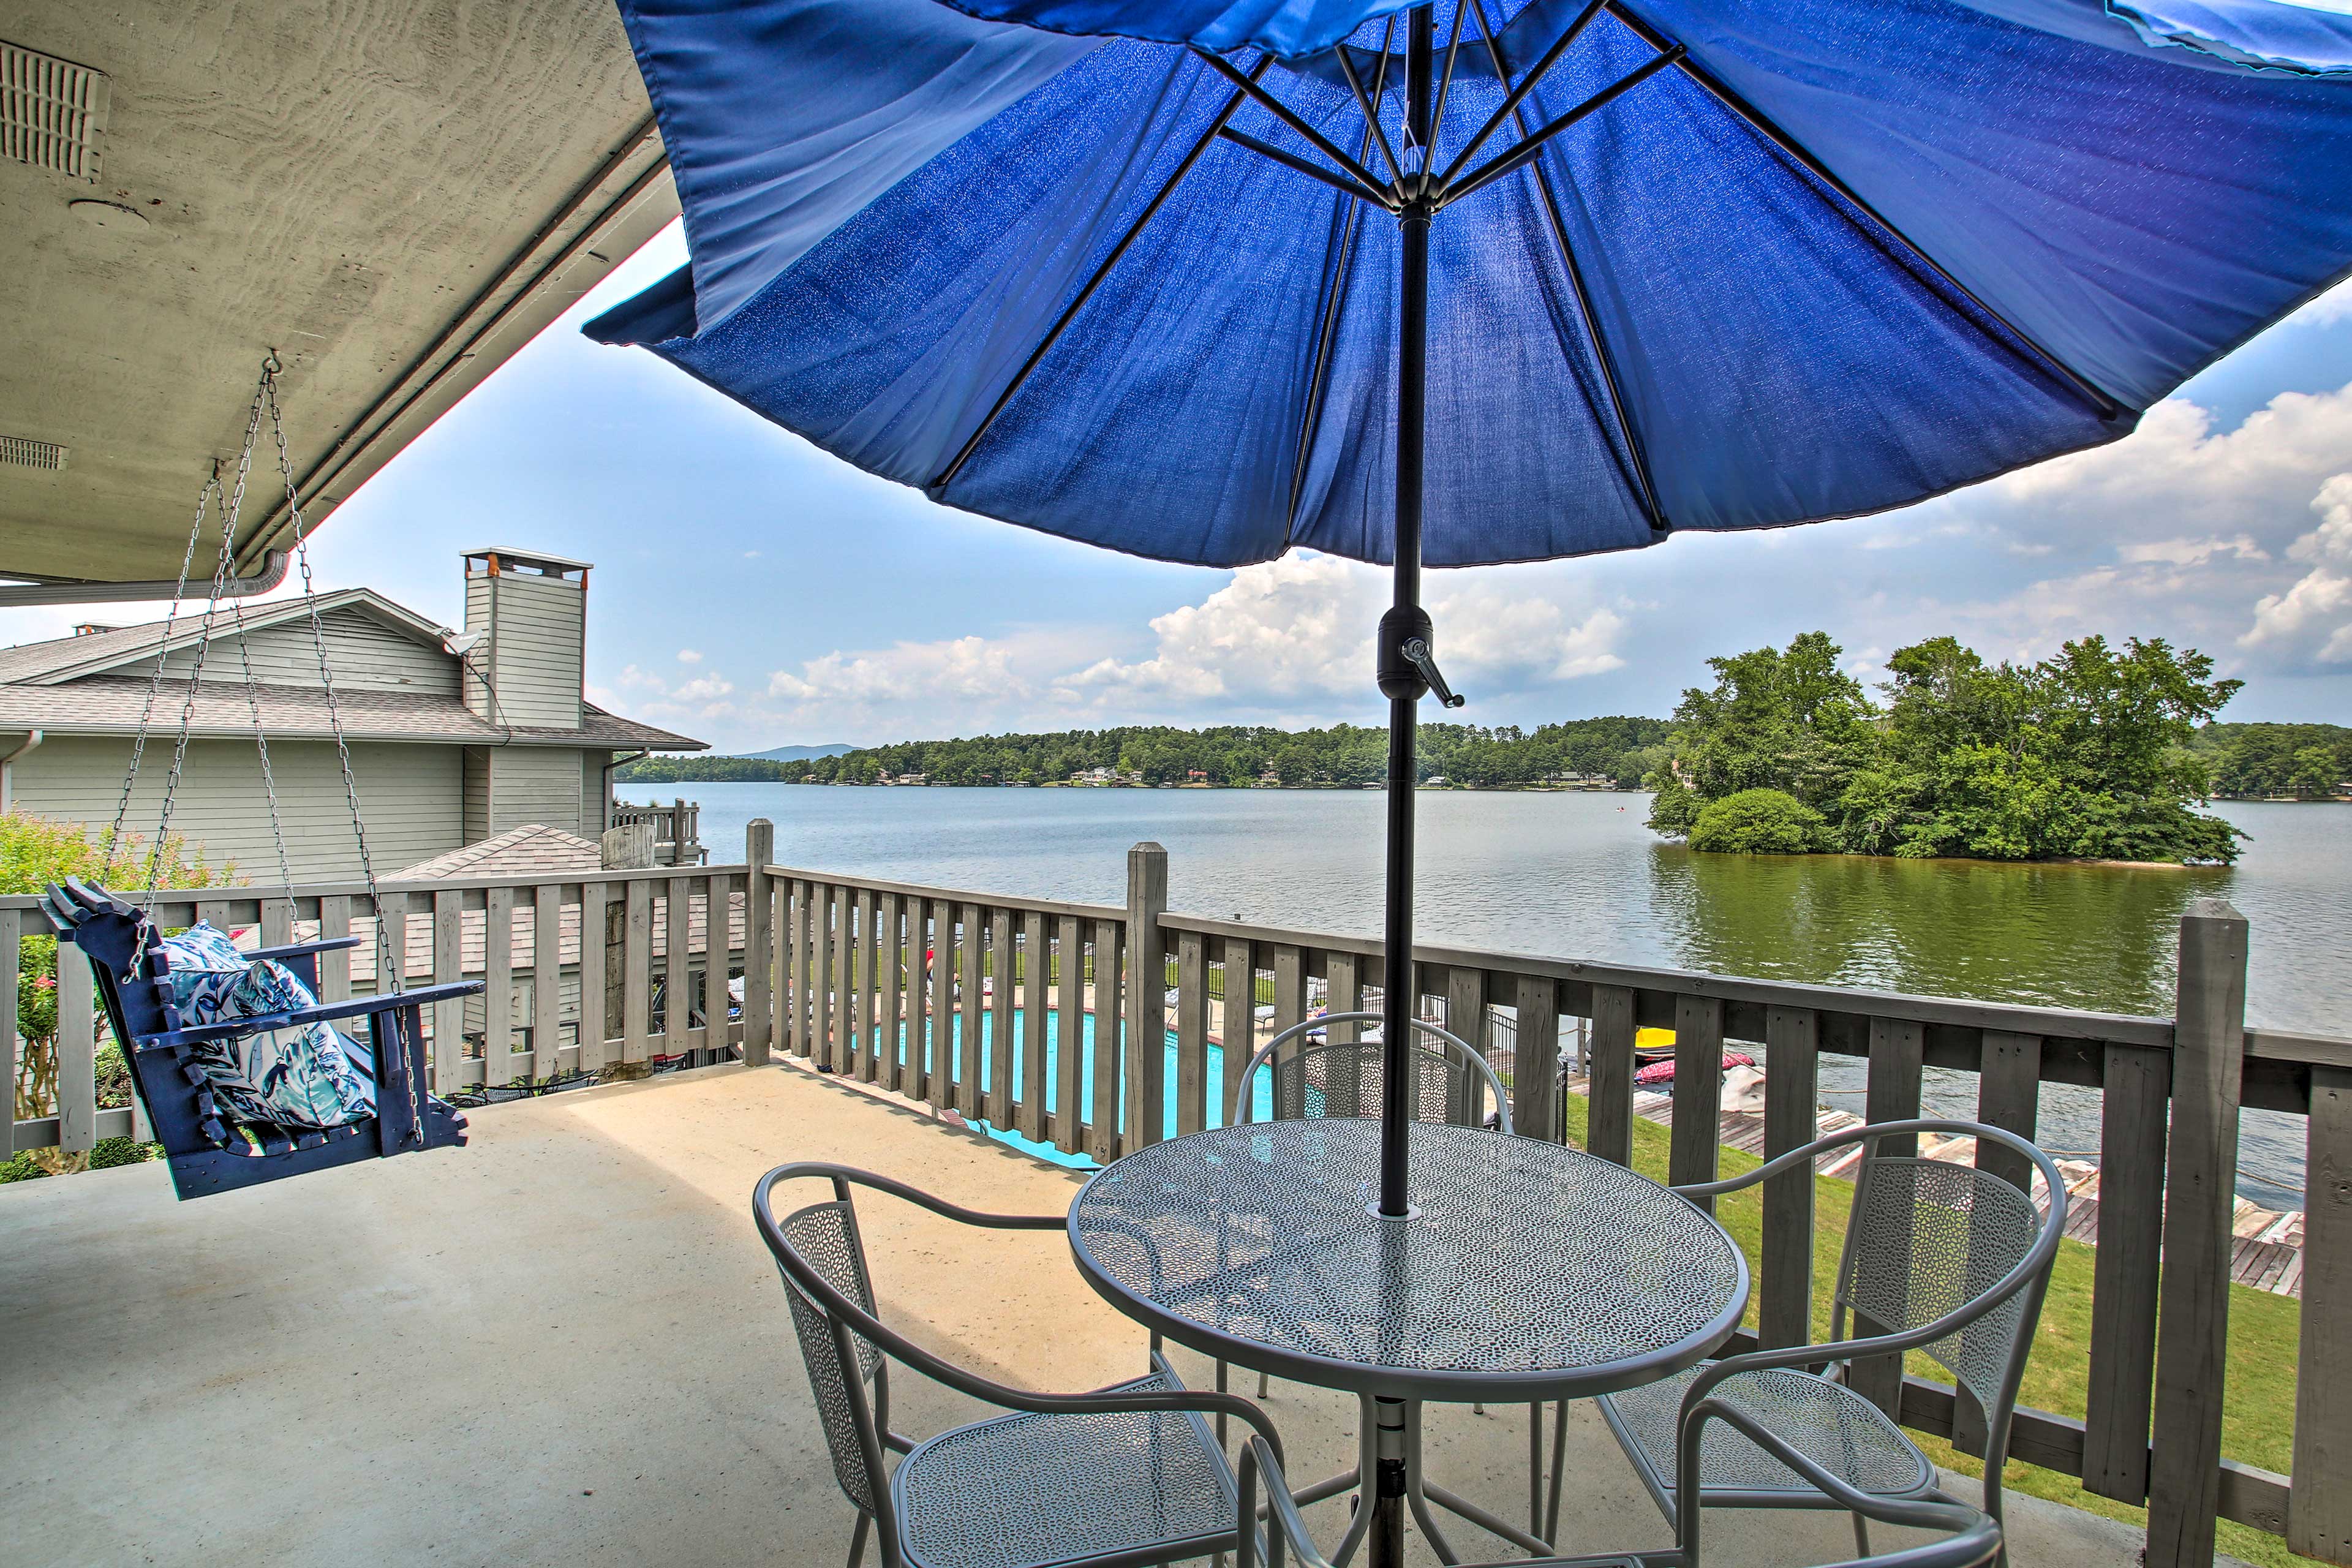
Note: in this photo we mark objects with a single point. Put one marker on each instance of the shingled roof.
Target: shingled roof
(110, 705)
(530, 850)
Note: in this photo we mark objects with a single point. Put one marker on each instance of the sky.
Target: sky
(750, 591)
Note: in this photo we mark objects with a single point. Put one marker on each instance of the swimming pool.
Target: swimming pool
(1261, 1103)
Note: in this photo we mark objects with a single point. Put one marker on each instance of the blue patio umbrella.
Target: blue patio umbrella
(1483, 281)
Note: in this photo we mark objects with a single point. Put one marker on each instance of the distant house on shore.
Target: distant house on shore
(455, 737)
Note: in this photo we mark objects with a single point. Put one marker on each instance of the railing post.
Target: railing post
(2199, 1191)
(1147, 1034)
(759, 939)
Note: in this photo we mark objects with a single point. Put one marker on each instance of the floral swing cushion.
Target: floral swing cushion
(308, 1077)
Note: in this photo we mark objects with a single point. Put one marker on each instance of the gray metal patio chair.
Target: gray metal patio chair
(1118, 1477)
(1941, 1258)
(1452, 1083)
(1974, 1537)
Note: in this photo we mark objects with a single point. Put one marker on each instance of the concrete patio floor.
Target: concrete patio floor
(564, 1343)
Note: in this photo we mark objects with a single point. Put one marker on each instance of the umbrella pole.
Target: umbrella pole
(1401, 682)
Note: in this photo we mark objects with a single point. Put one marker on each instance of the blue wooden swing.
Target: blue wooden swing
(206, 1149)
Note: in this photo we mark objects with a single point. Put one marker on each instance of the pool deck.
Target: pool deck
(564, 1343)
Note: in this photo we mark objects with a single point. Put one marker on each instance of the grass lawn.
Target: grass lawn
(2257, 1423)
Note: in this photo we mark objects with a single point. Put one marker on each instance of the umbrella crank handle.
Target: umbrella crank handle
(1416, 652)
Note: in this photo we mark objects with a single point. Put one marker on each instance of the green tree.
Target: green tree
(1758, 822)
(1777, 719)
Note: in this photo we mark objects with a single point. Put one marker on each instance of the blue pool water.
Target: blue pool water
(1261, 1101)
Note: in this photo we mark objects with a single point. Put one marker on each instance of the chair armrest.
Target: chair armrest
(328, 1013)
(1973, 1539)
(303, 948)
(1870, 1132)
(1286, 1528)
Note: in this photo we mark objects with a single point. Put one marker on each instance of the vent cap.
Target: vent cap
(52, 112)
(25, 452)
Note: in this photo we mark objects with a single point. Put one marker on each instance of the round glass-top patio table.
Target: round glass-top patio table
(1529, 1271)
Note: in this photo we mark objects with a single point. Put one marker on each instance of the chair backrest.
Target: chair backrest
(845, 1370)
(1451, 1082)
(1928, 1237)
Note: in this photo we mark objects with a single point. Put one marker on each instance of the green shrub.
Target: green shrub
(21, 1168)
(108, 1153)
(1758, 822)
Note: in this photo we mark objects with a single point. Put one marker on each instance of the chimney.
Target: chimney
(528, 615)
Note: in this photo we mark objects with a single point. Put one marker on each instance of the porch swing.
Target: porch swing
(257, 1085)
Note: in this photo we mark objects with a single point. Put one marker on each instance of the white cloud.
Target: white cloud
(689, 656)
(1285, 633)
(631, 678)
(2193, 552)
(2313, 618)
(703, 688)
(969, 667)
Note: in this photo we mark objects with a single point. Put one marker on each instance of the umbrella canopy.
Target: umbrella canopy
(1207, 281)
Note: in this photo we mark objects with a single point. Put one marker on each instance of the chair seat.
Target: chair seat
(1028, 1490)
(1830, 1424)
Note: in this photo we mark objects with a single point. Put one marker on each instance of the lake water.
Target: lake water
(1577, 876)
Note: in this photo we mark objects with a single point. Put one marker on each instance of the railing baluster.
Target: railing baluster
(822, 982)
(799, 997)
(1005, 1049)
(2009, 1096)
(2135, 1096)
(763, 952)
(971, 1065)
(2319, 1509)
(1792, 1109)
(891, 961)
(1070, 1038)
(1891, 1093)
(76, 1054)
(935, 953)
(677, 965)
(12, 960)
(1609, 1086)
(1238, 1025)
(1289, 963)
(497, 987)
(334, 968)
(1697, 1140)
(276, 922)
(1465, 1016)
(1535, 1068)
(637, 974)
(862, 987)
(1143, 971)
(1110, 978)
(592, 978)
(1036, 994)
(717, 958)
(448, 963)
(1192, 1021)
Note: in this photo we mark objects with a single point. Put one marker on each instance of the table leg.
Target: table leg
(1389, 1484)
(1415, 1494)
(1359, 1521)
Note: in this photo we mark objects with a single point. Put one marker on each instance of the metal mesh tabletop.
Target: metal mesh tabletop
(1530, 1268)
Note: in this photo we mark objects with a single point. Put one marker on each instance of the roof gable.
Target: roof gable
(72, 658)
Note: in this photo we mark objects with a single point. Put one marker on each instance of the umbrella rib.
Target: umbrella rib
(1503, 164)
(1312, 171)
(1601, 354)
(1069, 312)
(1444, 88)
(1288, 116)
(1317, 378)
(1371, 116)
(1519, 94)
(2108, 407)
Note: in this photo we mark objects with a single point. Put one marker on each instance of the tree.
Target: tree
(1758, 822)
(1776, 718)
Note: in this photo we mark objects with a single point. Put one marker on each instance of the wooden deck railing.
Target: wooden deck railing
(2171, 1091)
(914, 988)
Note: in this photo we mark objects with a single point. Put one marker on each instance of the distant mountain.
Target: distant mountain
(800, 754)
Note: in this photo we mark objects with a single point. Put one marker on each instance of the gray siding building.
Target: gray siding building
(455, 737)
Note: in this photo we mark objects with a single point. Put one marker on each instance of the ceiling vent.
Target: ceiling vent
(52, 113)
(24, 452)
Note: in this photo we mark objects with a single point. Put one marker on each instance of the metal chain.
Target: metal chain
(205, 635)
(389, 965)
(155, 685)
(260, 738)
